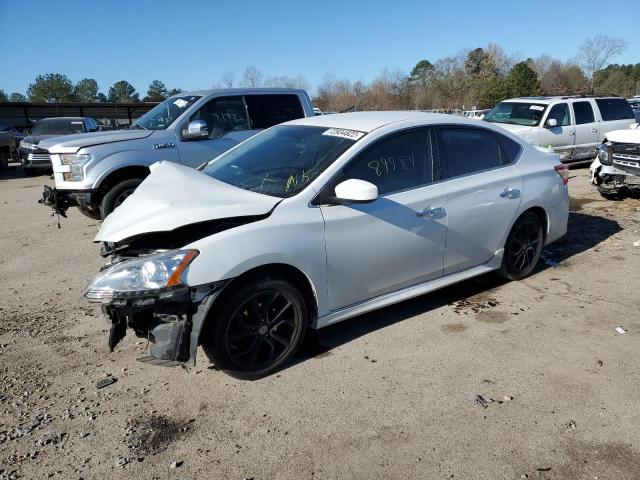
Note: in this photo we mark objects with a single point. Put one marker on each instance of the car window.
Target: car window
(468, 150)
(222, 115)
(583, 112)
(396, 163)
(560, 112)
(268, 110)
(614, 109)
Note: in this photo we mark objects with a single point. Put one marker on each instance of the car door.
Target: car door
(586, 138)
(227, 124)
(483, 190)
(395, 241)
(560, 137)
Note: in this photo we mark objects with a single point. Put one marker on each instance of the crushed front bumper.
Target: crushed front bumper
(61, 200)
(172, 325)
(610, 179)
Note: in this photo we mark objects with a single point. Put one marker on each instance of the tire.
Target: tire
(4, 159)
(523, 247)
(92, 214)
(259, 329)
(117, 194)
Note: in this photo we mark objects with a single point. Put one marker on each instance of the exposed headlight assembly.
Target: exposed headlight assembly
(604, 155)
(158, 275)
(77, 162)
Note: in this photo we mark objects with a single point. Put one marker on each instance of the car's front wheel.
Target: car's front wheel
(523, 247)
(258, 329)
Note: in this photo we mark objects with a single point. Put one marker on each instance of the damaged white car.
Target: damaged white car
(616, 169)
(316, 221)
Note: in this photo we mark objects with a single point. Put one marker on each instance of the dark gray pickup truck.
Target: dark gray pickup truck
(9, 141)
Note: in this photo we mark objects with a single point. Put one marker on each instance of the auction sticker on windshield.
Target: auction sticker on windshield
(536, 107)
(344, 133)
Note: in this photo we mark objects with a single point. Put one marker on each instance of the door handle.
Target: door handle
(510, 193)
(432, 212)
(572, 133)
(594, 130)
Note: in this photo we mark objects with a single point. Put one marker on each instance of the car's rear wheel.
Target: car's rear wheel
(118, 194)
(259, 328)
(523, 247)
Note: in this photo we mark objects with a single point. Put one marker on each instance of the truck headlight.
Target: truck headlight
(77, 163)
(604, 155)
(27, 145)
(155, 275)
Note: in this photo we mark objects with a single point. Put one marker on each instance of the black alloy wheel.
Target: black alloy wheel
(523, 247)
(261, 327)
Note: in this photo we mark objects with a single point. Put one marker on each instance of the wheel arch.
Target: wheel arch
(124, 173)
(542, 215)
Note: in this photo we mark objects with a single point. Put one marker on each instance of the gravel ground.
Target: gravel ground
(391, 394)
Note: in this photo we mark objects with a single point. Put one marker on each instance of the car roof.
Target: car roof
(70, 119)
(369, 121)
(547, 99)
(238, 91)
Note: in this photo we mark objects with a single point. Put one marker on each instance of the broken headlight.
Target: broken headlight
(604, 155)
(157, 274)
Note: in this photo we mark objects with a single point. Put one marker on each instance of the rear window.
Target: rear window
(583, 112)
(268, 110)
(614, 109)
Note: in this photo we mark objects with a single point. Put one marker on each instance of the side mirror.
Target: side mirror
(552, 122)
(196, 129)
(356, 191)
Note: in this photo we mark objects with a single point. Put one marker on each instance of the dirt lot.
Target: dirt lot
(387, 395)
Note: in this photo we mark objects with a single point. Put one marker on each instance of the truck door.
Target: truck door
(586, 141)
(560, 137)
(227, 124)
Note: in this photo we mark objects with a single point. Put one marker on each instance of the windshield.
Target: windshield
(517, 113)
(165, 113)
(283, 160)
(56, 126)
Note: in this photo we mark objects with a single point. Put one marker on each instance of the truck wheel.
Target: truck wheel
(4, 159)
(117, 194)
(92, 214)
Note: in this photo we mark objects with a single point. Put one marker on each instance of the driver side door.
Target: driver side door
(561, 137)
(227, 123)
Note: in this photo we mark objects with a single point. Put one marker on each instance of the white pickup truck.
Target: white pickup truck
(97, 171)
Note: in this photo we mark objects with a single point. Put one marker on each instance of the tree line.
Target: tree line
(477, 78)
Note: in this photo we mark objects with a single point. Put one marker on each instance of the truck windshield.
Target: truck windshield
(165, 113)
(517, 113)
(283, 160)
(57, 126)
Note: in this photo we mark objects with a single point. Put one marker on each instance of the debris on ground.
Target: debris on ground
(105, 382)
(621, 330)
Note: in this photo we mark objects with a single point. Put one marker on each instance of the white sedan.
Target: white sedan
(318, 220)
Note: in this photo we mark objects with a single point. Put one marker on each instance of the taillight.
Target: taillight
(563, 171)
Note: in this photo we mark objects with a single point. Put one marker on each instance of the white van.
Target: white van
(573, 126)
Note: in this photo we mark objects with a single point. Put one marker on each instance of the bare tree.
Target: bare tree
(252, 76)
(596, 51)
(228, 79)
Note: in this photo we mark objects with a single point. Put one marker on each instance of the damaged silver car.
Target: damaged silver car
(616, 169)
(318, 220)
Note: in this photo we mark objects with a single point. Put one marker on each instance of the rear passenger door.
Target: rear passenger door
(561, 137)
(586, 128)
(483, 189)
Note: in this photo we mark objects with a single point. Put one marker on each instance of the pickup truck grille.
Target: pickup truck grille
(39, 158)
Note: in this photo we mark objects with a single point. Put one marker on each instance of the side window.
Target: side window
(583, 112)
(268, 110)
(560, 112)
(225, 114)
(614, 109)
(397, 163)
(469, 150)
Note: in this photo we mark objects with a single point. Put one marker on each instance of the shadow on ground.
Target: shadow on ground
(15, 171)
(585, 231)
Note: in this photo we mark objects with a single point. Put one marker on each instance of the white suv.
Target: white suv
(573, 126)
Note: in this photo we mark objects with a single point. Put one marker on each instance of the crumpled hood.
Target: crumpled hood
(173, 196)
(627, 135)
(515, 129)
(73, 143)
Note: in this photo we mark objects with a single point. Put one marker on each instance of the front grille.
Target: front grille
(39, 158)
(625, 148)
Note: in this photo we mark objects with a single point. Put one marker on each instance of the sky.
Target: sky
(191, 44)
